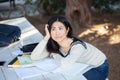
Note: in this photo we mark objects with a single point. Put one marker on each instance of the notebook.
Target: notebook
(21, 61)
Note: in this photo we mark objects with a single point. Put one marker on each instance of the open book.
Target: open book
(23, 60)
(42, 67)
(48, 66)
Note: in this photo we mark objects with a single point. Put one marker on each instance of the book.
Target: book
(23, 60)
(47, 67)
(29, 72)
(42, 67)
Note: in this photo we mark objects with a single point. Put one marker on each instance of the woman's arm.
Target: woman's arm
(75, 53)
(40, 51)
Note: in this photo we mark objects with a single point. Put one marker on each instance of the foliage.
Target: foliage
(58, 6)
(104, 5)
(49, 6)
(53, 6)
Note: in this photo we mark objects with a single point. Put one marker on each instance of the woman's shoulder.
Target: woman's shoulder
(78, 41)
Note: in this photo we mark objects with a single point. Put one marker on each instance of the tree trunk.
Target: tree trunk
(78, 12)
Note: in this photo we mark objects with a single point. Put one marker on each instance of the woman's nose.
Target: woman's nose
(57, 32)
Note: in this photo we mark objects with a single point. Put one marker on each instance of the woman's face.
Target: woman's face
(58, 31)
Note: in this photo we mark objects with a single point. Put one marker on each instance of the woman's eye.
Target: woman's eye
(60, 28)
(53, 29)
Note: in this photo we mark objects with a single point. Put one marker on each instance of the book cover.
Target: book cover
(14, 63)
(21, 61)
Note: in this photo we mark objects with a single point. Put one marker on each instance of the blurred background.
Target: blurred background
(94, 21)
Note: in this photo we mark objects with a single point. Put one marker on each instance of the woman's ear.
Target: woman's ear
(67, 29)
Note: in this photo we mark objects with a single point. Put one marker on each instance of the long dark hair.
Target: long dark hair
(52, 45)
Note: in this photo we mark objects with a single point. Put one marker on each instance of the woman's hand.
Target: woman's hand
(51, 54)
(47, 36)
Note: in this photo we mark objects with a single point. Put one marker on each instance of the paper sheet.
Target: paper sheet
(47, 64)
(24, 60)
(42, 67)
(19, 52)
(29, 72)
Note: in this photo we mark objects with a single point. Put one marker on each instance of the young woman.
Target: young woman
(60, 44)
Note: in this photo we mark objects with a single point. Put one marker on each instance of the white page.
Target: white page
(45, 66)
(29, 72)
(48, 65)
(17, 52)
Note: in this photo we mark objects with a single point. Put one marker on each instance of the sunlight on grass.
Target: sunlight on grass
(97, 29)
(115, 38)
(103, 30)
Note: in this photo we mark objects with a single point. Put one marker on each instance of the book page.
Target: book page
(41, 67)
(24, 60)
(29, 72)
(47, 64)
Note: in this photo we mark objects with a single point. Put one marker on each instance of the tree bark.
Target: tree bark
(78, 12)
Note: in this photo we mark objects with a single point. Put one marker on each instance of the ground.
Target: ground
(104, 34)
